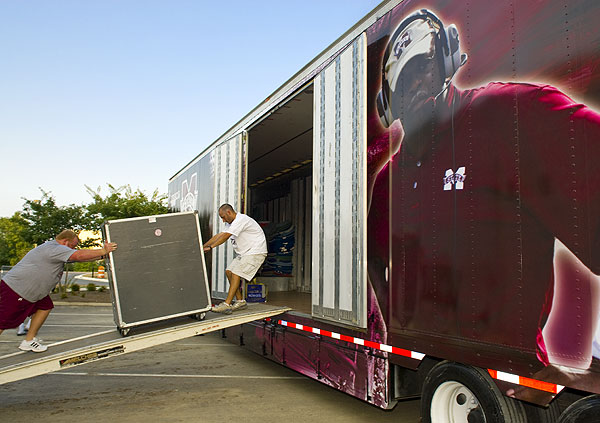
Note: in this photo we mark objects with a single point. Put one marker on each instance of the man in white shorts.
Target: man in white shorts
(250, 245)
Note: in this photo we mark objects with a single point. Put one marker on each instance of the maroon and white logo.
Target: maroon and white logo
(189, 193)
(404, 42)
(456, 179)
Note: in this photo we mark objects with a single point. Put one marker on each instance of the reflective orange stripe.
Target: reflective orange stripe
(495, 374)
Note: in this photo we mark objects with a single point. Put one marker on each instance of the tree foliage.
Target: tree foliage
(41, 220)
(12, 239)
(45, 219)
(122, 203)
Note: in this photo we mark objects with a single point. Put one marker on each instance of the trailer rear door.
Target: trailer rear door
(229, 164)
(339, 288)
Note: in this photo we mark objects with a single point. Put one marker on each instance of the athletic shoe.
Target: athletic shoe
(239, 305)
(22, 330)
(222, 308)
(33, 345)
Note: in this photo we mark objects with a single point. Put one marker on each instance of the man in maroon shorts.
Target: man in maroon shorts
(25, 289)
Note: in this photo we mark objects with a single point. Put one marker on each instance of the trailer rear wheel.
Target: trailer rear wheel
(457, 393)
(585, 410)
(539, 414)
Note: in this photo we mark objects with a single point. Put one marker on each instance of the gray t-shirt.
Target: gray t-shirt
(36, 275)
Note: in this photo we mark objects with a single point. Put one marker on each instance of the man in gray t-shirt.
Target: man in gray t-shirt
(25, 289)
(39, 271)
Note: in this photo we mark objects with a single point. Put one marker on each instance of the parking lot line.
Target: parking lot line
(176, 376)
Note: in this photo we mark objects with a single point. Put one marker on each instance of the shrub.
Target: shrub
(84, 266)
(91, 286)
(74, 287)
(101, 289)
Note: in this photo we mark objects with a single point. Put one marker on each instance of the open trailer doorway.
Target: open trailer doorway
(279, 196)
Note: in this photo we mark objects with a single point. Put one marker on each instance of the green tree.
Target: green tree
(45, 219)
(12, 239)
(41, 220)
(122, 203)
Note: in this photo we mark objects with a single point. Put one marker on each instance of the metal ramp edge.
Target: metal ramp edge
(124, 345)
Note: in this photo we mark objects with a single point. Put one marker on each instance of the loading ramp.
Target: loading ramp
(73, 352)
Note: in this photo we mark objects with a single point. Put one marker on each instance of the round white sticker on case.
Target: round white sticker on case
(158, 232)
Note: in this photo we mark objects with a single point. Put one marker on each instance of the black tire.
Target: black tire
(539, 414)
(454, 392)
(585, 410)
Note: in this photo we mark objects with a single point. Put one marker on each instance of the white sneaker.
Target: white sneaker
(22, 330)
(222, 308)
(239, 305)
(34, 345)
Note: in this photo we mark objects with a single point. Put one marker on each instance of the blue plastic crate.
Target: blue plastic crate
(256, 292)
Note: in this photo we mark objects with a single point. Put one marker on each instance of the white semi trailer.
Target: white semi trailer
(436, 170)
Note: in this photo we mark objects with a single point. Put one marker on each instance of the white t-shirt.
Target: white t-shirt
(247, 237)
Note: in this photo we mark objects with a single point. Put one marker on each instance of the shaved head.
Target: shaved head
(226, 207)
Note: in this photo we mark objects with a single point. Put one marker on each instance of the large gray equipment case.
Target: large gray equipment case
(158, 271)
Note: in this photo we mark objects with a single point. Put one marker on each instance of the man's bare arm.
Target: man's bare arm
(86, 255)
(216, 240)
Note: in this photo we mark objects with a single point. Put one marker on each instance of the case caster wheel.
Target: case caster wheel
(198, 316)
(124, 331)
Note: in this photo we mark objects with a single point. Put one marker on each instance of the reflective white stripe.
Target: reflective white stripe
(357, 341)
(507, 377)
(540, 385)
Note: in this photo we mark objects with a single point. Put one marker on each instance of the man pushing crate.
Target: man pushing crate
(250, 245)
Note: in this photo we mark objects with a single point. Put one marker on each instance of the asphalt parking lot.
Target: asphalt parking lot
(204, 378)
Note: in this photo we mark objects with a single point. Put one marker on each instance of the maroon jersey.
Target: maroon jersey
(469, 218)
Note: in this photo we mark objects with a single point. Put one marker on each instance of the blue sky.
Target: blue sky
(129, 91)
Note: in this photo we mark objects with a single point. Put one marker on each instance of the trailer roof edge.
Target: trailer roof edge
(298, 79)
